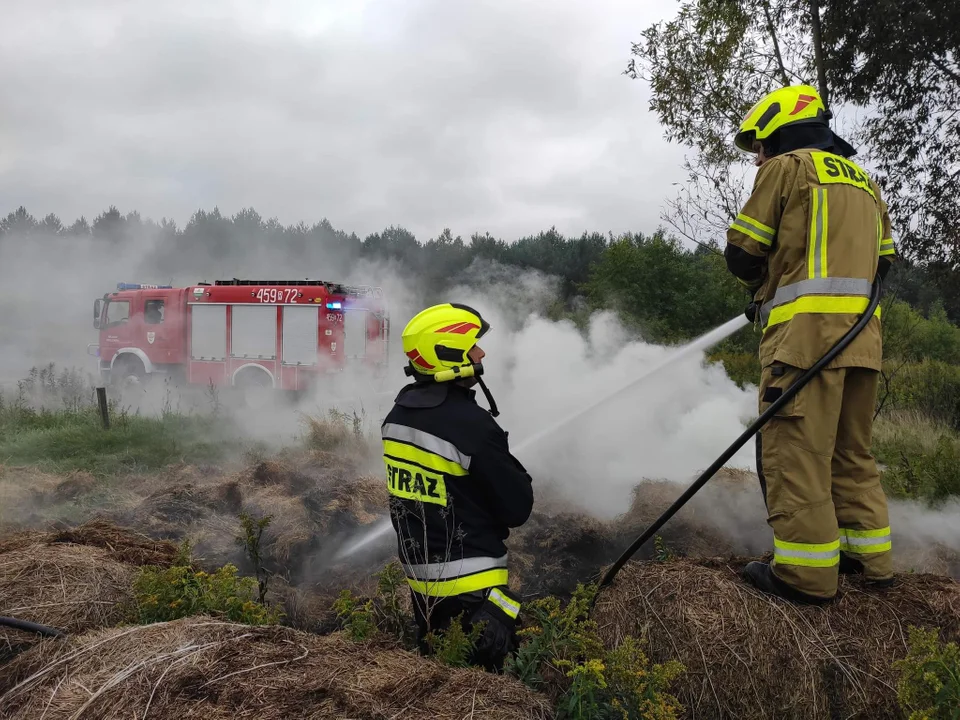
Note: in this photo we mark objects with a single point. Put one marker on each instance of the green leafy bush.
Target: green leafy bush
(364, 618)
(561, 651)
(356, 615)
(929, 685)
(909, 335)
(393, 618)
(386, 612)
(660, 288)
(931, 476)
(163, 594)
(930, 387)
(251, 540)
(453, 646)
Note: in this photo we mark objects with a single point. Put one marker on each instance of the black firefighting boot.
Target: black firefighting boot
(852, 566)
(761, 576)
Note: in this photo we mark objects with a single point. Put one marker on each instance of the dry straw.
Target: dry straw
(752, 656)
(201, 668)
(74, 580)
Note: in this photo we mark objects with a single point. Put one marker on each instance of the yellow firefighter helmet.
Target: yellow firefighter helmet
(439, 338)
(786, 106)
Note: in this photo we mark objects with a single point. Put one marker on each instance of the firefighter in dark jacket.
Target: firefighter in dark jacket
(455, 488)
(808, 243)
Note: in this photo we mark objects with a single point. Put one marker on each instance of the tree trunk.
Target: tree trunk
(776, 44)
(818, 52)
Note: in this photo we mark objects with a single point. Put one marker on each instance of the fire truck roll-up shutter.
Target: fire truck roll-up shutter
(254, 332)
(355, 333)
(208, 337)
(300, 334)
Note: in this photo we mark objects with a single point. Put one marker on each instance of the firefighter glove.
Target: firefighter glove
(497, 640)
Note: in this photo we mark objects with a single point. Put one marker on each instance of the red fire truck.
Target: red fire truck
(284, 334)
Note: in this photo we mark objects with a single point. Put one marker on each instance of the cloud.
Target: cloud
(508, 117)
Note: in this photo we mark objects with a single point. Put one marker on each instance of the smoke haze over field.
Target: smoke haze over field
(670, 427)
(538, 370)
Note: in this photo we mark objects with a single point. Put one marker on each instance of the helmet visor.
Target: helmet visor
(484, 325)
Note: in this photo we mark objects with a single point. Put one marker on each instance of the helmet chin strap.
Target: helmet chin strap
(493, 403)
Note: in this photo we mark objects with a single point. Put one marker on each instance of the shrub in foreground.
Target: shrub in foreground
(163, 594)
(921, 455)
(929, 686)
(361, 618)
(562, 653)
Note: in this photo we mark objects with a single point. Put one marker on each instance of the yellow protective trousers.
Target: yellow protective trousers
(822, 485)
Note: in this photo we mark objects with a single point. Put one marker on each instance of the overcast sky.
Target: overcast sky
(502, 116)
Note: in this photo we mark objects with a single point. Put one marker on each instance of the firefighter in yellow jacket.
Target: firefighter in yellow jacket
(808, 243)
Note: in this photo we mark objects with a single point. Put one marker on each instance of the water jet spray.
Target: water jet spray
(384, 526)
(701, 343)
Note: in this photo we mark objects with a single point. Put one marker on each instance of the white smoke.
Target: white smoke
(670, 426)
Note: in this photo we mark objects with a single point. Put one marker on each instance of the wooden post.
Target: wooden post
(104, 412)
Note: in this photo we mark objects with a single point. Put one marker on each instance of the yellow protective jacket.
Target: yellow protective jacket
(809, 241)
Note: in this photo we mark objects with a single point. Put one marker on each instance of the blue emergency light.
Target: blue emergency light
(333, 306)
(141, 286)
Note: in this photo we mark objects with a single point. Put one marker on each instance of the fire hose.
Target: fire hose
(754, 428)
(27, 626)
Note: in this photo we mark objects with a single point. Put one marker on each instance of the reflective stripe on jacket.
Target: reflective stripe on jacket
(817, 226)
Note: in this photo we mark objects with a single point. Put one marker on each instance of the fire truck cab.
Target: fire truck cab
(284, 334)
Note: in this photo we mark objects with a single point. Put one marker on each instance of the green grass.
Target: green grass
(74, 439)
(52, 422)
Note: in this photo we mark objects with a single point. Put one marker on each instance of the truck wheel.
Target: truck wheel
(129, 372)
(254, 388)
